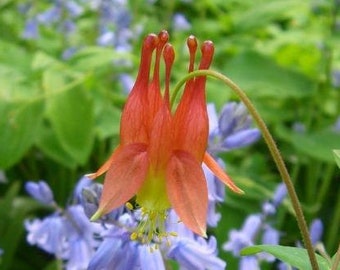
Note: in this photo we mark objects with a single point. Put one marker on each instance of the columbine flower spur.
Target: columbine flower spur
(161, 151)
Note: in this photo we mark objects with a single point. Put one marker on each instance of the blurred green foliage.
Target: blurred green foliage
(59, 119)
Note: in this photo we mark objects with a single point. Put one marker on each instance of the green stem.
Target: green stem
(336, 260)
(272, 148)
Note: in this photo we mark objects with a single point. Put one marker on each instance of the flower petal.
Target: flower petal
(103, 168)
(134, 120)
(187, 191)
(161, 143)
(221, 175)
(126, 175)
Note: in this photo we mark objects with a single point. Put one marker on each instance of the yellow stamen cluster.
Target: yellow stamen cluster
(151, 227)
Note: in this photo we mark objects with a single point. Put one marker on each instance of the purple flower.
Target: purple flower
(150, 260)
(48, 234)
(127, 82)
(316, 230)
(216, 188)
(270, 236)
(189, 250)
(239, 239)
(279, 194)
(216, 193)
(50, 16)
(336, 78)
(74, 9)
(249, 263)
(268, 209)
(232, 129)
(80, 238)
(196, 253)
(118, 251)
(31, 30)
(106, 39)
(40, 191)
(180, 23)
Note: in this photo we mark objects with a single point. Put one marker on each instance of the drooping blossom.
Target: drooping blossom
(161, 151)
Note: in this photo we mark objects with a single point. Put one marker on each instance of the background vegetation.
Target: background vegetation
(59, 113)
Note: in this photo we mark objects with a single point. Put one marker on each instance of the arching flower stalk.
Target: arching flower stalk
(160, 154)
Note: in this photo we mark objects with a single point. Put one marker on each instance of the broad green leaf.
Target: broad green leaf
(94, 57)
(42, 61)
(19, 123)
(296, 257)
(15, 84)
(261, 14)
(108, 122)
(336, 154)
(71, 118)
(13, 55)
(260, 76)
(51, 147)
(317, 145)
(70, 112)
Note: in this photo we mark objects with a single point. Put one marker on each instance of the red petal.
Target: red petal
(103, 168)
(161, 139)
(191, 122)
(187, 191)
(134, 120)
(126, 175)
(221, 175)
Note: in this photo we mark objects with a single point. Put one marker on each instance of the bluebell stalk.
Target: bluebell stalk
(256, 227)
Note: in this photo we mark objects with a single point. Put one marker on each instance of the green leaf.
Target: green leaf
(19, 123)
(95, 57)
(108, 121)
(70, 112)
(13, 211)
(260, 76)
(317, 145)
(71, 116)
(42, 61)
(261, 14)
(296, 257)
(13, 55)
(51, 147)
(336, 154)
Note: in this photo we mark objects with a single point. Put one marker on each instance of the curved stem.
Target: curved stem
(272, 148)
(337, 259)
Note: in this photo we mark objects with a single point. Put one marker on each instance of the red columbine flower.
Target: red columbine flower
(159, 158)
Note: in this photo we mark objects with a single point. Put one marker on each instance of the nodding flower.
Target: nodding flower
(161, 151)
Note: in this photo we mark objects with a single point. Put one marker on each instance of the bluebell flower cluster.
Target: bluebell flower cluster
(228, 130)
(256, 229)
(60, 13)
(80, 244)
(114, 22)
(68, 234)
(232, 129)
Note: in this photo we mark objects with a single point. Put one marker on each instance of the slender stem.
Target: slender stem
(336, 260)
(272, 148)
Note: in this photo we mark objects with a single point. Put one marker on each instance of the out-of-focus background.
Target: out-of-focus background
(66, 68)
